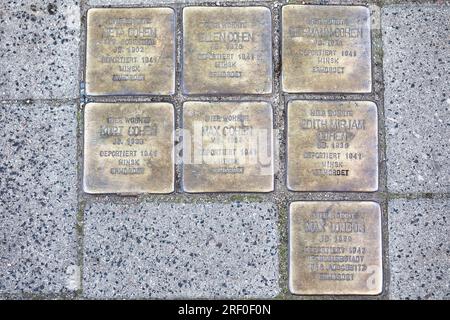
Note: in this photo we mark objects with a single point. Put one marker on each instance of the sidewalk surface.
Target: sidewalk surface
(58, 242)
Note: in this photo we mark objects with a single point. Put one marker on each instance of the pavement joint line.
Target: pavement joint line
(418, 195)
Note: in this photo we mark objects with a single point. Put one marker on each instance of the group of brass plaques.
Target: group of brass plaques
(228, 146)
(228, 50)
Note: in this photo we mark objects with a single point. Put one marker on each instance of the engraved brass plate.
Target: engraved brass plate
(128, 148)
(335, 248)
(332, 146)
(326, 49)
(130, 51)
(228, 147)
(227, 50)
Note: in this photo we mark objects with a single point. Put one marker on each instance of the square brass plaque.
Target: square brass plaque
(332, 146)
(326, 49)
(130, 51)
(335, 248)
(128, 148)
(227, 50)
(228, 147)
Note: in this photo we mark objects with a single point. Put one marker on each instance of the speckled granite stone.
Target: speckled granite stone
(39, 49)
(38, 200)
(417, 97)
(151, 250)
(419, 249)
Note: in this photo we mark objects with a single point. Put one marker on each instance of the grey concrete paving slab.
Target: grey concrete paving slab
(167, 250)
(417, 97)
(39, 49)
(38, 199)
(419, 248)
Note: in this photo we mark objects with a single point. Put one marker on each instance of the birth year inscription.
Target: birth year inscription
(228, 147)
(130, 51)
(227, 50)
(128, 148)
(332, 146)
(335, 248)
(326, 49)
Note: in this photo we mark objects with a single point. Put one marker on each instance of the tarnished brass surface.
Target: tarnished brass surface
(227, 50)
(128, 148)
(335, 248)
(332, 146)
(326, 49)
(227, 147)
(130, 51)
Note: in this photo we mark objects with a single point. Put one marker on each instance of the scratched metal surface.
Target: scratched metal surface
(227, 50)
(321, 233)
(124, 58)
(247, 138)
(125, 157)
(326, 49)
(332, 146)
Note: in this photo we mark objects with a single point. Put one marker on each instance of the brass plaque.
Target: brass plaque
(130, 51)
(326, 49)
(332, 146)
(227, 50)
(128, 148)
(227, 147)
(335, 248)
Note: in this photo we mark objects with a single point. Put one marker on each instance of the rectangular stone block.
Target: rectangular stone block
(326, 49)
(39, 49)
(332, 146)
(38, 202)
(128, 148)
(419, 249)
(335, 248)
(227, 50)
(227, 147)
(130, 51)
(417, 97)
(208, 250)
